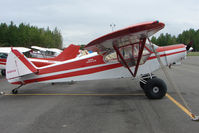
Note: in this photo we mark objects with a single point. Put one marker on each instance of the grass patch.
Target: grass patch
(193, 54)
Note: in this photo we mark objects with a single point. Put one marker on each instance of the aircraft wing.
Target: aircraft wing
(39, 48)
(47, 49)
(22, 49)
(126, 45)
(129, 35)
(8, 49)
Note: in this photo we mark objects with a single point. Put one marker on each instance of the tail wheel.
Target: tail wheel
(3, 72)
(155, 88)
(14, 91)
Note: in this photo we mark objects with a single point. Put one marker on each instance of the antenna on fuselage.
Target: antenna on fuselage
(112, 26)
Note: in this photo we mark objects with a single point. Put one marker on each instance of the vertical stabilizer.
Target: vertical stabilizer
(69, 53)
(18, 65)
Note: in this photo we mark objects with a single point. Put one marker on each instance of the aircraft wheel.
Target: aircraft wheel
(14, 91)
(3, 72)
(155, 88)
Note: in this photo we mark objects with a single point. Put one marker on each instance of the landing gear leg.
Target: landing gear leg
(15, 90)
(144, 79)
(3, 72)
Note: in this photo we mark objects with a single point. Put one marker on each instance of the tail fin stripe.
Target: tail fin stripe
(24, 60)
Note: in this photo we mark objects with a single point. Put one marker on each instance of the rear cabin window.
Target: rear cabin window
(3, 55)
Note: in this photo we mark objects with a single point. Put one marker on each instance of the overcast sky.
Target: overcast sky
(81, 21)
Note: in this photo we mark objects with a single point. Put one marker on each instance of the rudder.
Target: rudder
(18, 65)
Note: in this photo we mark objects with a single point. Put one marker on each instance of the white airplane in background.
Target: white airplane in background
(40, 52)
(4, 51)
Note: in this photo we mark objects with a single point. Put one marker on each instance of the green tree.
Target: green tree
(26, 36)
(185, 37)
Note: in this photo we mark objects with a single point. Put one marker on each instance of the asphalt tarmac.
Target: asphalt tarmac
(82, 107)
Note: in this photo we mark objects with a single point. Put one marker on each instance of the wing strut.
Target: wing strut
(120, 55)
(141, 48)
(142, 43)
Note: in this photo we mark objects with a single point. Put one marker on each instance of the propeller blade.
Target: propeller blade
(189, 45)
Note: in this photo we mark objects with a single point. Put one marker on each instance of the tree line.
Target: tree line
(186, 37)
(25, 35)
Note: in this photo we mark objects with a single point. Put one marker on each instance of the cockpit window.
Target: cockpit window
(110, 57)
(3, 55)
(130, 55)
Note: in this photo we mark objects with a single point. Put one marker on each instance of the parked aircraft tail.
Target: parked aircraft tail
(18, 65)
(69, 53)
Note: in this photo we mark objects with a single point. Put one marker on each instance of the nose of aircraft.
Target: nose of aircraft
(189, 46)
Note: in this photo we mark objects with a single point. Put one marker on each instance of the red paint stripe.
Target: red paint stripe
(153, 57)
(171, 47)
(92, 61)
(2, 63)
(76, 73)
(24, 60)
(41, 64)
(2, 60)
(17, 83)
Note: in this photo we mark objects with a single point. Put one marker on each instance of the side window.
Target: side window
(3, 55)
(110, 57)
(130, 55)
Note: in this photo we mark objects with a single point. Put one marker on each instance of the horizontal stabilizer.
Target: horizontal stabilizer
(18, 65)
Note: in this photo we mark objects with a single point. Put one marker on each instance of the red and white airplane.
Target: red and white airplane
(120, 54)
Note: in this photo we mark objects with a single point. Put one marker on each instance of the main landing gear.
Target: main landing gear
(153, 87)
(135, 54)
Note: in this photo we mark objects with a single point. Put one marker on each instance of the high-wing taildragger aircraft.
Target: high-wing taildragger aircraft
(120, 54)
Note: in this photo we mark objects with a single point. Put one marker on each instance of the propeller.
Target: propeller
(189, 46)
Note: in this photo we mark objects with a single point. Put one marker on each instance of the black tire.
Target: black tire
(155, 88)
(14, 91)
(3, 72)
